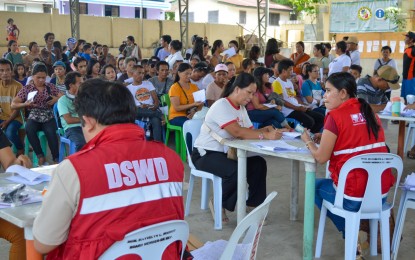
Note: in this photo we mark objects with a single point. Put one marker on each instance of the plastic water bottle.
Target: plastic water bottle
(396, 106)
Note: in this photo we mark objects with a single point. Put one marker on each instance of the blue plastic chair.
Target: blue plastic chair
(63, 140)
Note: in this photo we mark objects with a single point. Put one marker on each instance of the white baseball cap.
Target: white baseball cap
(221, 67)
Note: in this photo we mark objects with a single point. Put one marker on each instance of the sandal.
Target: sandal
(225, 219)
(411, 154)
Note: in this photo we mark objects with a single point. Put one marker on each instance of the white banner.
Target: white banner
(361, 16)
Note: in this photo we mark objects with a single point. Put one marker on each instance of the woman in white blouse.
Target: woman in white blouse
(227, 118)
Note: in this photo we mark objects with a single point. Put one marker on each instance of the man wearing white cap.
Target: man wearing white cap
(354, 52)
(372, 88)
(214, 89)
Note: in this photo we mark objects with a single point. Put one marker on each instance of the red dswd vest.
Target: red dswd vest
(126, 183)
(353, 139)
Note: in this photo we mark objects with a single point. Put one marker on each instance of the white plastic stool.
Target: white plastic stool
(407, 202)
(411, 128)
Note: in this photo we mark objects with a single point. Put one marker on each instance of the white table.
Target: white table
(401, 132)
(244, 146)
(24, 215)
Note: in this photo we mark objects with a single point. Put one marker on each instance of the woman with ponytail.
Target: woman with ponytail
(228, 118)
(351, 128)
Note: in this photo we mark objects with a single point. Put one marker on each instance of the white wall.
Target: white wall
(229, 14)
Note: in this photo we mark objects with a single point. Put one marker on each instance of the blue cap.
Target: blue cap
(59, 63)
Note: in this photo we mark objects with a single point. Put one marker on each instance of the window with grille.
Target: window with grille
(83, 8)
(242, 17)
(15, 8)
(274, 19)
(191, 17)
(213, 16)
(112, 10)
(47, 9)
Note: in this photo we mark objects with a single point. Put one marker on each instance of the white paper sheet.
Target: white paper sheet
(26, 176)
(213, 251)
(369, 46)
(290, 135)
(401, 46)
(269, 105)
(360, 46)
(410, 182)
(277, 145)
(230, 52)
(31, 95)
(393, 46)
(199, 96)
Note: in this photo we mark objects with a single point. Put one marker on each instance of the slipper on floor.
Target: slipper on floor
(410, 155)
(225, 219)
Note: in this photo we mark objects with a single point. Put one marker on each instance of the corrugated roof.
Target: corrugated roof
(253, 3)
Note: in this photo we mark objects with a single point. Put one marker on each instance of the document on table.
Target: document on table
(290, 135)
(31, 95)
(26, 176)
(199, 96)
(277, 145)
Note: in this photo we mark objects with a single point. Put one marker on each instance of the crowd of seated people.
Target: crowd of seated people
(283, 88)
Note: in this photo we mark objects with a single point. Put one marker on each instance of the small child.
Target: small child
(20, 73)
(356, 71)
(87, 51)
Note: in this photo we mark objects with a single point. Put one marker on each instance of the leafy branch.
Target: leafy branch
(395, 15)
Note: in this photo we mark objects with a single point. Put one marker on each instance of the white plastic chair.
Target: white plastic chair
(191, 130)
(253, 223)
(251, 226)
(410, 133)
(407, 202)
(138, 242)
(371, 208)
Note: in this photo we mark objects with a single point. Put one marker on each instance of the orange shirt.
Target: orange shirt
(177, 91)
(304, 58)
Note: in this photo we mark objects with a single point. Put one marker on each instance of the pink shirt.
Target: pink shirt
(261, 97)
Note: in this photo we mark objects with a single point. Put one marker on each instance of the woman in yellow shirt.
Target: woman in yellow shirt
(183, 105)
(237, 58)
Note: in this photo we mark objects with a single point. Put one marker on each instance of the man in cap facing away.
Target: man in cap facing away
(373, 88)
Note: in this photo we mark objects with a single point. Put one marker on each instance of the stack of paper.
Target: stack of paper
(410, 182)
(213, 251)
(26, 176)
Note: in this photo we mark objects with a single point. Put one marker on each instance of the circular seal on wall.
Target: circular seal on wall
(364, 13)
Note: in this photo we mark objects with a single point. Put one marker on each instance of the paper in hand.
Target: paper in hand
(31, 95)
(230, 52)
(199, 96)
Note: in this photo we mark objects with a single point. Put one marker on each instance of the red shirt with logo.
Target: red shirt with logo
(125, 183)
(353, 139)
